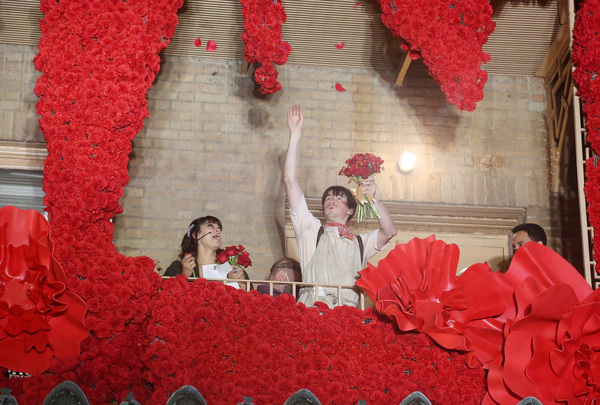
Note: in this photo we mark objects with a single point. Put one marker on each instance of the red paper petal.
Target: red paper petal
(197, 42)
(211, 46)
(53, 326)
(339, 87)
(340, 45)
(356, 5)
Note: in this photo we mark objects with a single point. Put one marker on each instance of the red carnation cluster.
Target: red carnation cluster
(586, 58)
(263, 21)
(361, 166)
(236, 256)
(249, 345)
(98, 59)
(449, 35)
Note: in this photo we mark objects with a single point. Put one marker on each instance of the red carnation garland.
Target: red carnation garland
(449, 35)
(98, 59)
(268, 348)
(586, 58)
(263, 21)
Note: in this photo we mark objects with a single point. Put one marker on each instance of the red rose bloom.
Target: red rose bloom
(222, 257)
(364, 171)
(231, 250)
(244, 259)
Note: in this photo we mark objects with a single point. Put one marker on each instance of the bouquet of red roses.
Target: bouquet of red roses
(358, 168)
(237, 256)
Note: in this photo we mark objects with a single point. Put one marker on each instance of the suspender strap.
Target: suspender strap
(320, 233)
(361, 246)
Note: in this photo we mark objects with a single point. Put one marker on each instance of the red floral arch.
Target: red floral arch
(98, 59)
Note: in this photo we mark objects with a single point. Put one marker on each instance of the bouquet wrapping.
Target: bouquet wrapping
(359, 168)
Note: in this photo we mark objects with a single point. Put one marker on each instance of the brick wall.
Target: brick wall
(18, 120)
(214, 146)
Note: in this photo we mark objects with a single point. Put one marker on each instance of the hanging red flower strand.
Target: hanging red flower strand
(449, 35)
(98, 58)
(263, 21)
(586, 58)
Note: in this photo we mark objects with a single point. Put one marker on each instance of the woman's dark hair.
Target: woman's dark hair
(344, 192)
(189, 244)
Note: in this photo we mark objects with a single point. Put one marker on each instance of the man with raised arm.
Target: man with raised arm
(329, 254)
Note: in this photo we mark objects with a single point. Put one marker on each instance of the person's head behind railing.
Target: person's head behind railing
(285, 269)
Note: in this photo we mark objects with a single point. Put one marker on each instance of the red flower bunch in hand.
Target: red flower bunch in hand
(236, 256)
(263, 21)
(358, 168)
(361, 166)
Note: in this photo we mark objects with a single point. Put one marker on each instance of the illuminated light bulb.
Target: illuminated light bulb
(407, 162)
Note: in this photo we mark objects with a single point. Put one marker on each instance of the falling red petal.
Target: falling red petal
(339, 87)
(356, 5)
(340, 45)
(197, 42)
(211, 46)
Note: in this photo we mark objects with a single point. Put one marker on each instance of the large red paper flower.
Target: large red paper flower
(39, 319)
(551, 325)
(534, 269)
(416, 285)
(553, 353)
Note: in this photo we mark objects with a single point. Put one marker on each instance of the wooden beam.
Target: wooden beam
(244, 66)
(563, 11)
(561, 42)
(425, 217)
(404, 64)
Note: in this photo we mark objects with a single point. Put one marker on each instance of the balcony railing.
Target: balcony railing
(296, 286)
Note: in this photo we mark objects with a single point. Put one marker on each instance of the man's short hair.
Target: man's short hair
(287, 263)
(341, 191)
(534, 231)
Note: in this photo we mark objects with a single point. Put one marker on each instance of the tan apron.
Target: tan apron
(335, 261)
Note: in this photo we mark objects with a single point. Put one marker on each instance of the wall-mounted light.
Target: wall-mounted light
(407, 162)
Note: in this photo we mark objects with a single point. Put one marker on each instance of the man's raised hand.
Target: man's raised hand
(295, 118)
